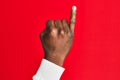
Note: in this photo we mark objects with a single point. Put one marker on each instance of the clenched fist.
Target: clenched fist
(57, 38)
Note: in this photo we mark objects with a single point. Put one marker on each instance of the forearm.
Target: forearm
(48, 71)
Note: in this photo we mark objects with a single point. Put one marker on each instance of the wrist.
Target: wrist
(54, 58)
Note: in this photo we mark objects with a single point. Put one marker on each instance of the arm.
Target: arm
(48, 71)
(57, 41)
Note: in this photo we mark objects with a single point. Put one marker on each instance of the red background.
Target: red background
(95, 54)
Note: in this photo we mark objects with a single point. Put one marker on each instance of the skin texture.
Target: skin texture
(57, 39)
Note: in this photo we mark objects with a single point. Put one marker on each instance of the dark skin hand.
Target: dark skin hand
(57, 39)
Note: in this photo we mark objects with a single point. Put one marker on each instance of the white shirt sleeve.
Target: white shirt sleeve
(48, 71)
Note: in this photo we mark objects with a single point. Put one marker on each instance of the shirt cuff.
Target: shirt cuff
(48, 71)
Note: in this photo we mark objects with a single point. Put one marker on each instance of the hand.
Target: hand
(57, 38)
